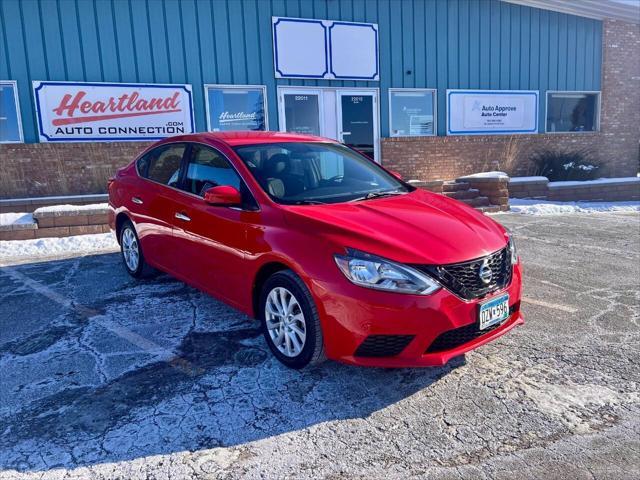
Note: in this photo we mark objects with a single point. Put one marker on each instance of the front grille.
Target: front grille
(459, 336)
(464, 280)
(383, 345)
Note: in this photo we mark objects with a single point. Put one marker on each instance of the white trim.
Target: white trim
(351, 90)
(14, 85)
(598, 104)
(434, 95)
(208, 86)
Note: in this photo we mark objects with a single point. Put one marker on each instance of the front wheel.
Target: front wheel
(290, 321)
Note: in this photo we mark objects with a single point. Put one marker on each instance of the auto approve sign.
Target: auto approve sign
(486, 112)
(75, 112)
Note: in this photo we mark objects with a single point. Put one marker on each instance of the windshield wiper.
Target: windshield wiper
(371, 195)
(306, 202)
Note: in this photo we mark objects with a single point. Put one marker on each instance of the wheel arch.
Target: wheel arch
(263, 273)
(120, 219)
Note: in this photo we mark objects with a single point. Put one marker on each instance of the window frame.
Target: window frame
(14, 86)
(434, 94)
(598, 94)
(210, 86)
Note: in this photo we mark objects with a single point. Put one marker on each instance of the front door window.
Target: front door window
(302, 113)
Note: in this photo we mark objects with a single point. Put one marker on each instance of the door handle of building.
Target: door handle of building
(183, 217)
(137, 200)
(345, 133)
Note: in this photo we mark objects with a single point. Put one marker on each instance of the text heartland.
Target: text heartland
(126, 105)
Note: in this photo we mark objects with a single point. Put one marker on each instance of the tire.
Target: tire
(276, 328)
(131, 252)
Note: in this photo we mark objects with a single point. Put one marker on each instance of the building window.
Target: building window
(10, 121)
(236, 107)
(412, 112)
(573, 111)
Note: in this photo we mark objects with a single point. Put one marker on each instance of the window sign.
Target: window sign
(412, 112)
(10, 121)
(92, 111)
(236, 107)
(492, 112)
(573, 111)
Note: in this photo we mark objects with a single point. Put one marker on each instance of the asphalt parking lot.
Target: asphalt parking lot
(106, 377)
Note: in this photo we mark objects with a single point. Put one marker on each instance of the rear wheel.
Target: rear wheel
(131, 250)
(290, 321)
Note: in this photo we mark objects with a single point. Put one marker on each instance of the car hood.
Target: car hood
(419, 227)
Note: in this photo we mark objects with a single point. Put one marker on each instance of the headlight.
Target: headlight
(374, 272)
(513, 251)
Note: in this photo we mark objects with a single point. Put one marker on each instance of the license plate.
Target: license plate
(494, 311)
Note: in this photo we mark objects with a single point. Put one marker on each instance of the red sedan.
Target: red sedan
(335, 255)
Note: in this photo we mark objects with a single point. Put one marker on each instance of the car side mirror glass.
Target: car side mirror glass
(223, 195)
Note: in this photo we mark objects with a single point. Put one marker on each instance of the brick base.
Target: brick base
(41, 169)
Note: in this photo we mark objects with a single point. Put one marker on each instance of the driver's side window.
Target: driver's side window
(208, 168)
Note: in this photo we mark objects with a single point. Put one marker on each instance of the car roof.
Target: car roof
(236, 138)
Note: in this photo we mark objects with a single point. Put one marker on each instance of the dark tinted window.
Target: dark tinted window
(208, 168)
(164, 164)
(572, 112)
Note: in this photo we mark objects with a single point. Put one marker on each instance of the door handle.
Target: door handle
(183, 217)
(345, 133)
(137, 200)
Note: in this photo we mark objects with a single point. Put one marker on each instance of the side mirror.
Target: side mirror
(223, 195)
(395, 174)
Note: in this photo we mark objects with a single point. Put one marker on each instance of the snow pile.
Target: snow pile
(542, 207)
(495, 174)
(16, 219)
(44, 247)
(72, 208)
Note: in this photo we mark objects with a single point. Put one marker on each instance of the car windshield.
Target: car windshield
(301, 173)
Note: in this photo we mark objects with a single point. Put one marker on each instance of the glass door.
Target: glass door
(358, 121)
(301, 111)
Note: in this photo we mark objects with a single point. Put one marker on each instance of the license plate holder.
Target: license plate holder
(493, 311)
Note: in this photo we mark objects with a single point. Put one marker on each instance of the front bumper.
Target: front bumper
(350, 314)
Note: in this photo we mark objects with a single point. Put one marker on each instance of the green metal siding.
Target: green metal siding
(441, 44)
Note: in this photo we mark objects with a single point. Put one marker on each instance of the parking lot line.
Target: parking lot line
(553, 306)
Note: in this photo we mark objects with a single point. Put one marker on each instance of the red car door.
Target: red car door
(150, 201)
(211, 239)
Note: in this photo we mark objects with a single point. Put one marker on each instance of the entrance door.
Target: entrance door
(357, 121)
(301, 111)
(347, 115)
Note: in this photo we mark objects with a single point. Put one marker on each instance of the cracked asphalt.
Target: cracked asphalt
(102, 376)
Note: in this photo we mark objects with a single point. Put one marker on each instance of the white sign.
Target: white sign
(492, 112)
(309, 48)
(76, 112)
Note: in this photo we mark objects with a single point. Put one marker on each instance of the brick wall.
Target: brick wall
(616, 145)
(41, 169)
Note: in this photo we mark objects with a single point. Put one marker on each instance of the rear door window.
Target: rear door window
(163, 164)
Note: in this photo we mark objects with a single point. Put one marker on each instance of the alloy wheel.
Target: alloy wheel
(285, 322)
(130, 249)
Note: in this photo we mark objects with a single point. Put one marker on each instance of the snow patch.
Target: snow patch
(16, 219)
(44, 247)
(494, 174)
(599, 181)
(544, 207)
(527, 179)
(72, 208)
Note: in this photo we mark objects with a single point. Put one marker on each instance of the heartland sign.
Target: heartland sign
(76, 112)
